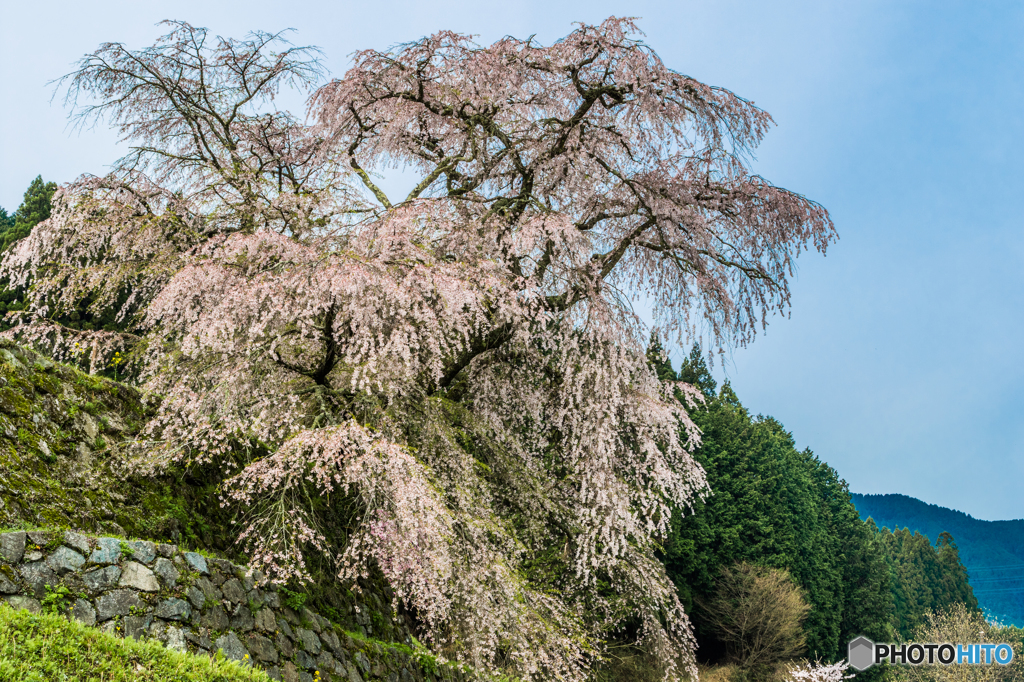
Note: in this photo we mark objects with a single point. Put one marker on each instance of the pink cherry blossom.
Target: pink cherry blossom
(462, 366)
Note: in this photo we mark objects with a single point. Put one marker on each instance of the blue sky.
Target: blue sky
(901, 365)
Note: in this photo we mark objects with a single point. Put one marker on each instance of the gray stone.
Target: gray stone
(310, 642)
(158, 630)
(289, 673)
(262, 649)
(327, 663)
(196, 596)
(362, 662)
(252, 578)
(233, 591)
(304, 660)
(65, 561)
(215, 619)
(173, 609)
(305, 677)
(84, 613)
(353, 672)
(38, 575)
(274, 673)
(197, 562)
(77, 541)
(166, 551)
(272, 599)
(136, 575)
(6, 586)
(38, 537)
(102, 578)
(209, 589)
(406, 675)
(167, 572)
(285, 645)
(201, 641)
(135, 626)
(216, 577)
(222, 565)
(175, 639)
(242, 621)
(233, 648)
(108, 551)
(28, 603)
(111, 627)
(143, 551)
(313, 620)
(33, 555)
(264, 620)
(12, 546)
(255, 598)
(283, 626)
(329, 638)
(117, 603)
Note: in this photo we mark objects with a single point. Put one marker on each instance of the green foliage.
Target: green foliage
(58, 599)
(48, 647)
(35, 208)
(992, 551)
(778, 507)
(925, 578)
(293, 600)
(775, 506)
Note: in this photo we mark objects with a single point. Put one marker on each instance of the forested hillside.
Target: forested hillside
(992, 551)
(777, 506)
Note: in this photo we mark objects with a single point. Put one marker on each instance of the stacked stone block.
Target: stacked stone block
(189, 602)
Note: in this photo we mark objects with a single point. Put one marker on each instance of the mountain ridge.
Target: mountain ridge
(992, 551)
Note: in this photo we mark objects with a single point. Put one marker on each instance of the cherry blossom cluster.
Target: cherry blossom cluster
(459, 371)
(819, 672)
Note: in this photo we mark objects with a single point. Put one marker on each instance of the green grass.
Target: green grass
(48, 648)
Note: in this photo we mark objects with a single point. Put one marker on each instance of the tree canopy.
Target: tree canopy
(777, 507)
(457, 372)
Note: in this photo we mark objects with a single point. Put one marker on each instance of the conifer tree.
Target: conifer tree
(35, 208)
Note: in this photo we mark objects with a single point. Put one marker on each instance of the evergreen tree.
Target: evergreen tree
(779, 507)
(35, 208)
(925, 578)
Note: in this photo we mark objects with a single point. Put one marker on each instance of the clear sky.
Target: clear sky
(901, 365)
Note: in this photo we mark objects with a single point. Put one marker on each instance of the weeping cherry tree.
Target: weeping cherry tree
(462, 359)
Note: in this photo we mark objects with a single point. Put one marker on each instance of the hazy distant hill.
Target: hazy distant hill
(992, 551)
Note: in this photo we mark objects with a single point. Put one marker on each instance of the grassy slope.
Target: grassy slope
(59, 428)
(60, 431)
(51, 649)
(992, 551)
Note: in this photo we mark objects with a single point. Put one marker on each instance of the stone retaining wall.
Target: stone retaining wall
(191, 603)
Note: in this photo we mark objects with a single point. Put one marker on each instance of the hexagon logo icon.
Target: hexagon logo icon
(861, 653)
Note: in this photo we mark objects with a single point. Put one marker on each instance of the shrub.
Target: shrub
(758, 614)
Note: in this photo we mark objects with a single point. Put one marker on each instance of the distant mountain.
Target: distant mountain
(992, 551)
